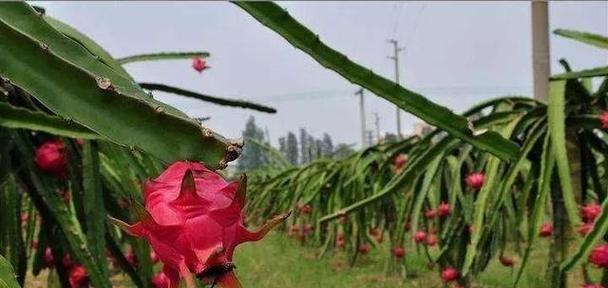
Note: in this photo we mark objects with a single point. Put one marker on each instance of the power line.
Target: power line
(415, 26)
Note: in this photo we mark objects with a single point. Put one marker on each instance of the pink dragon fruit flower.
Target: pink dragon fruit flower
(193, 220)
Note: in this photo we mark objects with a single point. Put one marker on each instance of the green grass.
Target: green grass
(278, 261)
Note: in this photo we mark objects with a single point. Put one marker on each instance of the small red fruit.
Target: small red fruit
(431, 240)
(399, 162)
(599, 256)
(506, 261)
(294, 229)
(374, 232)
(131, 258)
(340, 242)
(399, 252)
(24, 217)
(51, 157)
(475, 180)
(306, 209)
(308, 228)
(604, 119)
(590, 211)
(444, 209)
(48, 260)
(199, 64)
(449, 274)
(67, 261)
(364, 248)
(546, 230)
(584, 228)
(160, 280)
(430, 214)
(78, 277)
(419, 236)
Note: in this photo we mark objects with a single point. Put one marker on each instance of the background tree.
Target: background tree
(252, 157)
(292, 148)
(283, 146)
(328, 146)
(303, 146)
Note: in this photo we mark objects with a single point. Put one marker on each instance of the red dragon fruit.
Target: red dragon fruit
(475, 180)
(444, 209)
(199, 64)
(399, 162)
(430, 213)
(48, 261)
(506, 261)
(193, 221)
(364, 248)
(78, 277)
(590, 211)
(51, 157)
(399, 252)
(584, 228)
(599, 256)
(604, 119)
(546, 230)
(419, 236)
(449, 274)
(431, 240)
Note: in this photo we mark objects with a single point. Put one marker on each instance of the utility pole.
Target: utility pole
(395, 57)
(377, 122)
(541, 68)
(540, 49)
(370, 136)
(362, 112)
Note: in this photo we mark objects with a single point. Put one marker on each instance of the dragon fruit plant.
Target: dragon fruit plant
(70, 158)
(488, 199)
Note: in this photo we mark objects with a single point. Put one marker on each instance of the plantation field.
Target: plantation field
(279, 262)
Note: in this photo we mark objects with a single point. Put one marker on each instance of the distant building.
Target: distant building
(422, 129)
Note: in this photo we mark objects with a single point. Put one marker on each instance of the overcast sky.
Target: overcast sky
(456, 54)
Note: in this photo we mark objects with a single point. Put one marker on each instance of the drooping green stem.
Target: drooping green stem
(558, 247)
